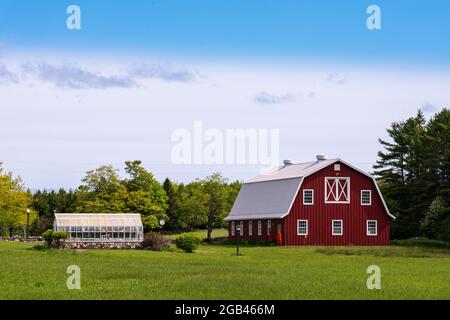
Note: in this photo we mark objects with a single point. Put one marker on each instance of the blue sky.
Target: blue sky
(413, 31)
(138, 71)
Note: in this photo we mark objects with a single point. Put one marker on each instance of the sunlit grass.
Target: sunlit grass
(214, 272)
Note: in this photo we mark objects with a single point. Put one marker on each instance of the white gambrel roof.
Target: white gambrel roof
(271, 195)
(97, 220)
(298, 170)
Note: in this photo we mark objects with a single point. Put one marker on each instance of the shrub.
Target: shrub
(54, 238)
(187, 242)
(40, 246)
(153, 241)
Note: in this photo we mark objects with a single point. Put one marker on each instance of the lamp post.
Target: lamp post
(162, 222)
(238, 233)
(28, 221)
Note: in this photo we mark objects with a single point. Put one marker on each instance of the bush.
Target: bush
(187, 242)
(54, 238)
(443, 231)
(153, 241)
(40, 247)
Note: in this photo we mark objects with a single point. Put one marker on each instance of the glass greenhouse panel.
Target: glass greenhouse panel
(100, 227)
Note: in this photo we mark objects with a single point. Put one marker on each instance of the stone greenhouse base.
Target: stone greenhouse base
(102, 245)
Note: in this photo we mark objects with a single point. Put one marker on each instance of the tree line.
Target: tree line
(202, 203)
(413, 171)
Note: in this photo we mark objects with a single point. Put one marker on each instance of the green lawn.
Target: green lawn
(213, 272)
(202, 234)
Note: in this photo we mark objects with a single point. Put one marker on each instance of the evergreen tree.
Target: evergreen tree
(414, 169)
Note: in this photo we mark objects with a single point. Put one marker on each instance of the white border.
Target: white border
(376, 228)
(250, 227)
(370, 202)
(308, 204)
(342, 227)
(348, 189)
(307, 227)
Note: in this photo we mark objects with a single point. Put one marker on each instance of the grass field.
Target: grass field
(213, 272)
(202, 234)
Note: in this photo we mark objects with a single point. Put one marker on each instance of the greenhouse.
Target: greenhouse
(100, 227)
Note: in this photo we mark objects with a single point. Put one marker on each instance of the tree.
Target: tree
(46, 203)
(14, 201)
(145, 194)
(104, 191)
(433, 217)
(413, 170)
(171, 212)
(214, 197)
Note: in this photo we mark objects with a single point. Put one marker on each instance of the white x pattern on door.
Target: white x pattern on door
(337, 190)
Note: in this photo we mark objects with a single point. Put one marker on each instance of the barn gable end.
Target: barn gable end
(325, 202)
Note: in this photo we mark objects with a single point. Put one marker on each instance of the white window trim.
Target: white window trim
(334, 184)
(376, 228)
(233, 228)
(312, 196)
(342, 228)
(370, 198)
(307, 227)
(242, 228)
(337, 167)
(269, 227)
(250, 228)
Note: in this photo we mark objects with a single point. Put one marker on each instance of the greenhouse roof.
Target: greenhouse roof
(98, 219)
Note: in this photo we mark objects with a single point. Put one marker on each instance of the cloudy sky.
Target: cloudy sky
(116, 90)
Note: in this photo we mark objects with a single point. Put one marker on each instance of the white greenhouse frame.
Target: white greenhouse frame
(100, 227)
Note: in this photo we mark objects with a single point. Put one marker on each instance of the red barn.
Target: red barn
(324, 202)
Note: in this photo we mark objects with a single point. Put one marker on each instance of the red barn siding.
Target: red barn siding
(264, 236)
(320, 215)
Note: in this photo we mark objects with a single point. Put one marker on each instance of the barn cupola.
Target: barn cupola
(288, 162)
(321, 157)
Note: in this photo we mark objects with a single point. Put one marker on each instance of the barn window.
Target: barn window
(242, 228)
(372, 227)
(366, 197)
(337, 229)
(250, 228)
(337, 167)
(259, 227)
(308, 196)
(269, 227)
(302, 227)
(233, 228)
(337, 190)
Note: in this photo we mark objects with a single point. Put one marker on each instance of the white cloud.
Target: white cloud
(51, 136)
(157, 71)
(429, 108)
(268, 98)
(73, 76)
